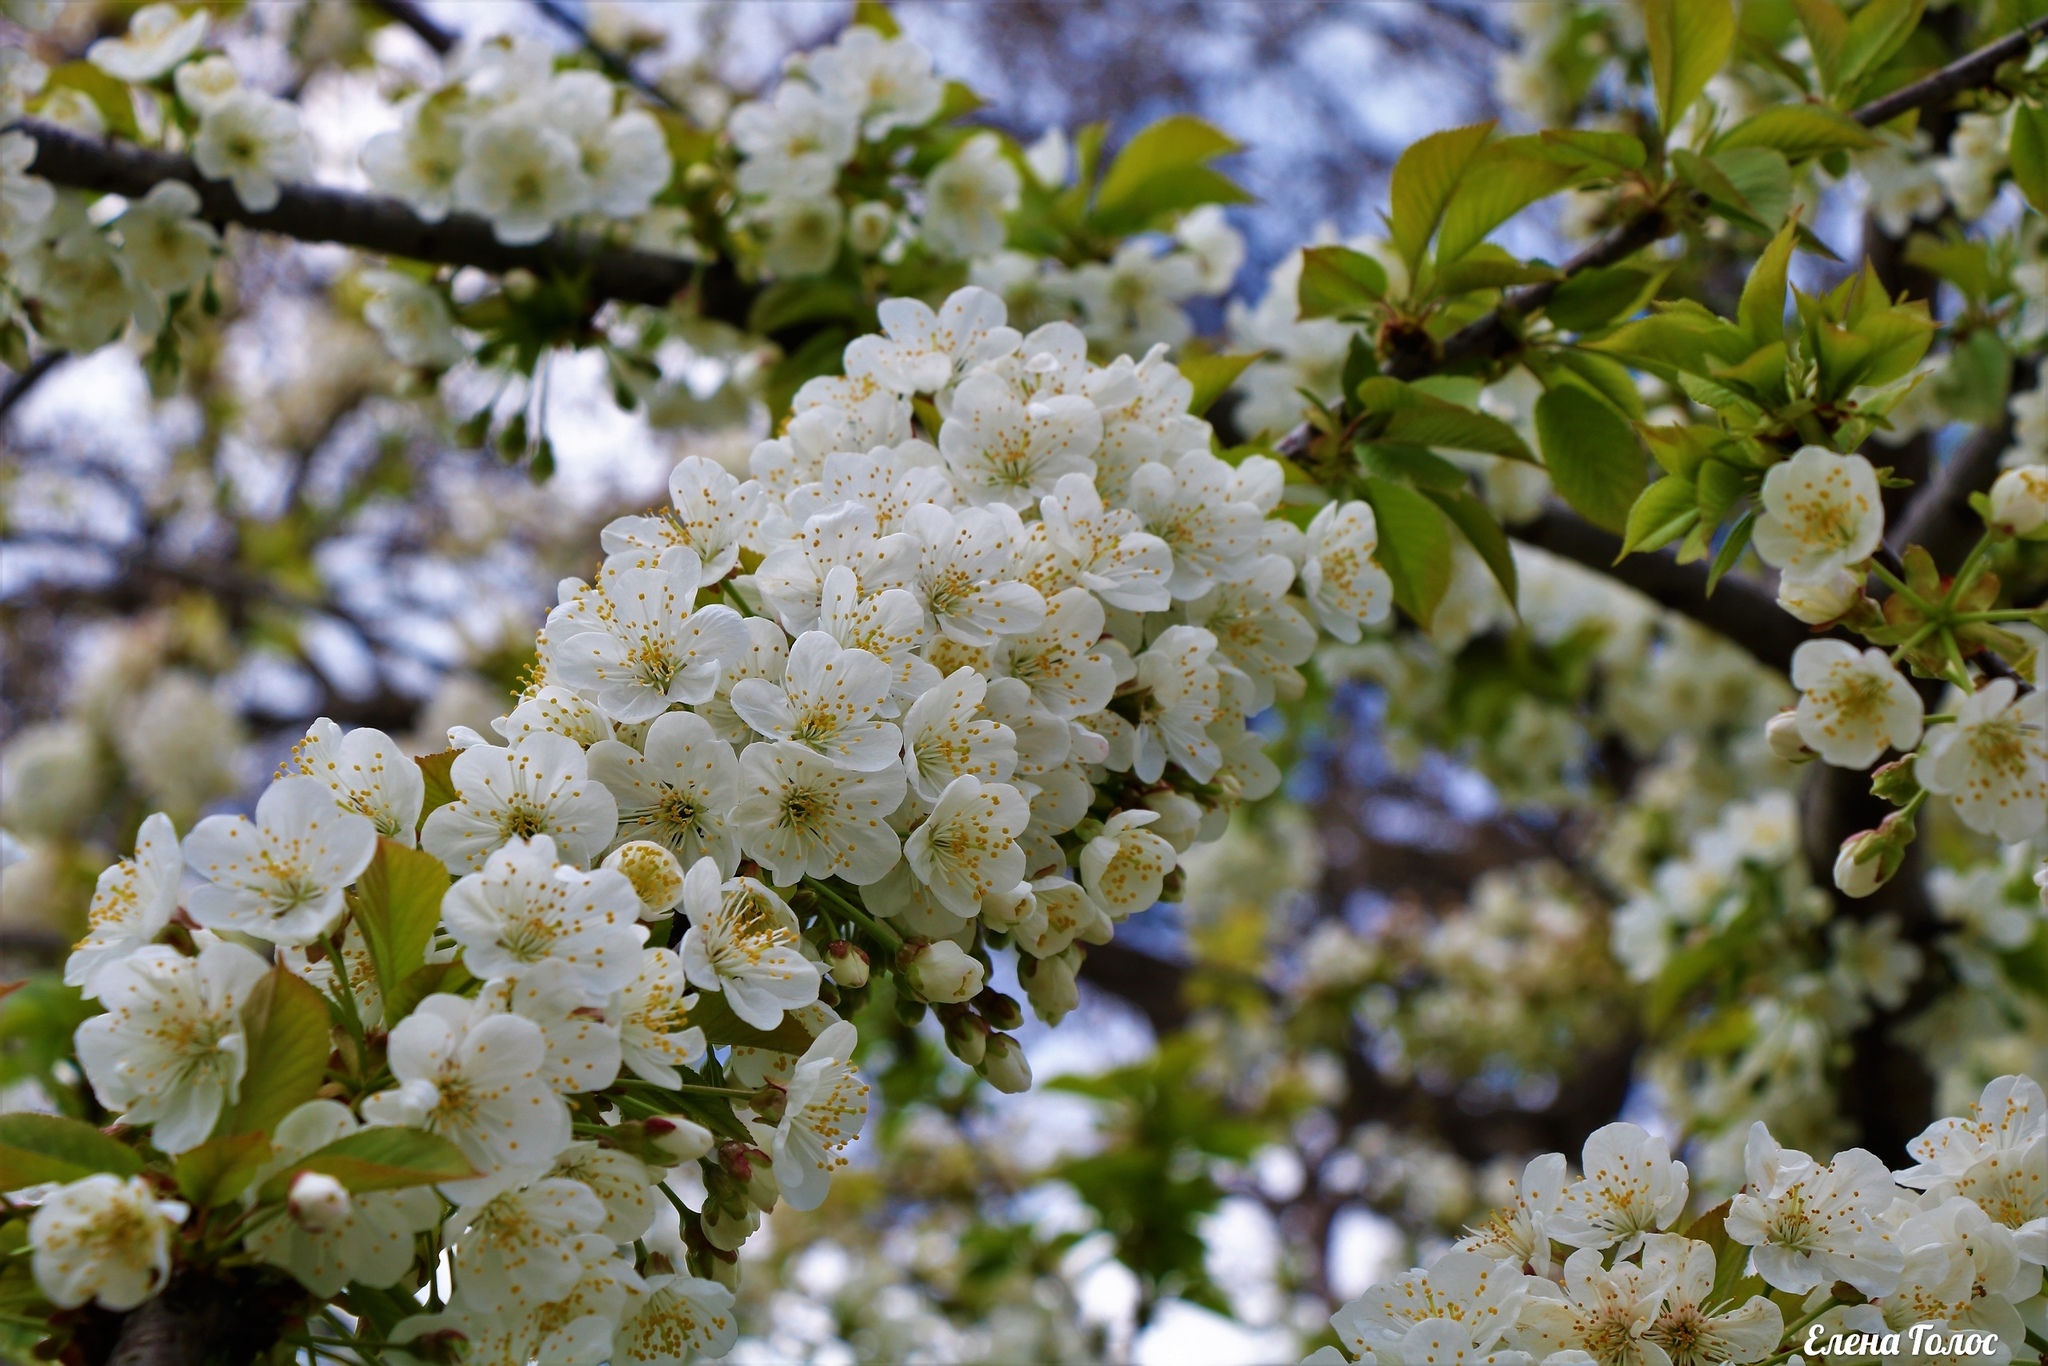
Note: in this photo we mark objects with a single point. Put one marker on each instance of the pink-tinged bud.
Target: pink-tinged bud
(677, 1138)
(318, 1203)
(1001, 1011)
(2019, 500)
(967, 1035)
(1004, 1064)
(848, 963)
(1781, 732)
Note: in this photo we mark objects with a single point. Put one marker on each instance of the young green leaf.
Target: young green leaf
(1414, 548)
(217, 1171)
(2029, 153)
(35, 1148)
(377, 1159)
(287, 1033)
(1762, 310)
(1337, 281)
(1592, 453)
(1827, 32)
(1212, 376)
(1663, 512)
(1165, 167)
(1424, 179)
(1503, 179)
(1476, 522)
(1689, 41)
(721, 1027)
(1594, 298)
(1731, 549)
(1879, 29)
(397, 903)
(1798, 131)
(436, 769)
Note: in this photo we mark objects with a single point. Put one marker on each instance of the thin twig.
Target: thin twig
(614, 65)
(1959, 75)
(413, 17)
(18, 388)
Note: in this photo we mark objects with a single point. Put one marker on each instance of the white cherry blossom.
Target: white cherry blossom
(967, 848)
(802, 815)
(1002, 448)
(794, 143)
(648, 651)
(1068, 677)
(1853, 704)
(280, 877)
(707, 517)
(158, 38)
(887, 82)
(743, 941)
(1344, 584)
(371, 1243)
(367, 773)
(1631, 1187)
(967, 197)
(652, 1015)
(1811, 1225)
(1188, 505)
(254, 141)
(539, 786)
(1821, 512)
(1182, 694)
(522, 172)
(170, 1051)
(131, 904)
(103, 1238)
(1107, 550)
(1124, 868)
(1520, 1231)
(827, 1103)
(677, 790)
(524, 908)
(527, 1245)
(1991, 762)
(827, 703)
(943, 738)
(922, 352)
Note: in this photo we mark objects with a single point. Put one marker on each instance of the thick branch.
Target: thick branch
(314, 213)
(1962, 74)
(19, 387)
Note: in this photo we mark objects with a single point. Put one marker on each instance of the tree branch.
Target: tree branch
(410, 15)
(614, 65)
(315, 213)
(1962, 74)
(18, 388)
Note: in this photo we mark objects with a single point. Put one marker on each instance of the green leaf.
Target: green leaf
(1689, 41)
(422, 983)
(1502, 180)
(436, 769)
(1972, 384)
(721, 1027)
(1414, 548)
(1879, 29)
(1592, 454)
(397, 903)
(1488, 267)
(1212, 376)
(1475, 521)
(381, 1158)
(1731, 549)
(1163, 168)
(876, 15)
(286, 1027)
(1424, 179)
(1665, 511)
(1827, 31)
(1621, 151)
(1798, 131)
(1762, 310)
(1595, 298)
(1764, 178)
(1416, 464)
(789, 302)
(2029, 152)
(1710, 180)
(1422, 419)
(217, 1171)
(1337, 281)
(37, 1148)
(1681, 338)
(823, 354)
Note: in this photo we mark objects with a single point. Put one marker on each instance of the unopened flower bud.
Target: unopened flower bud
(1005, 1066)
(755, 1171)
(1782, 733)
(1869, 860)
(848, 963)
(1821, 599)
(318, 1203)
(2019, 500)
(656, 875)
(967, 1035)
(1896, 782)
(942, 972)
(683, 1140)
(520, 283)
(724, 1270)
(768, 1103)
(869, 225)
(1001, 1012)
(2041, 882)
(725, 1232)
(1051, 985)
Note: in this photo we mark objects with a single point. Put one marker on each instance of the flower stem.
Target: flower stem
(1968, 572)
(884, 936)
(1899, 586)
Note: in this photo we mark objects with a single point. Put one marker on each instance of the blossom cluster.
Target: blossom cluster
(907, 696)
(1605, 1266)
